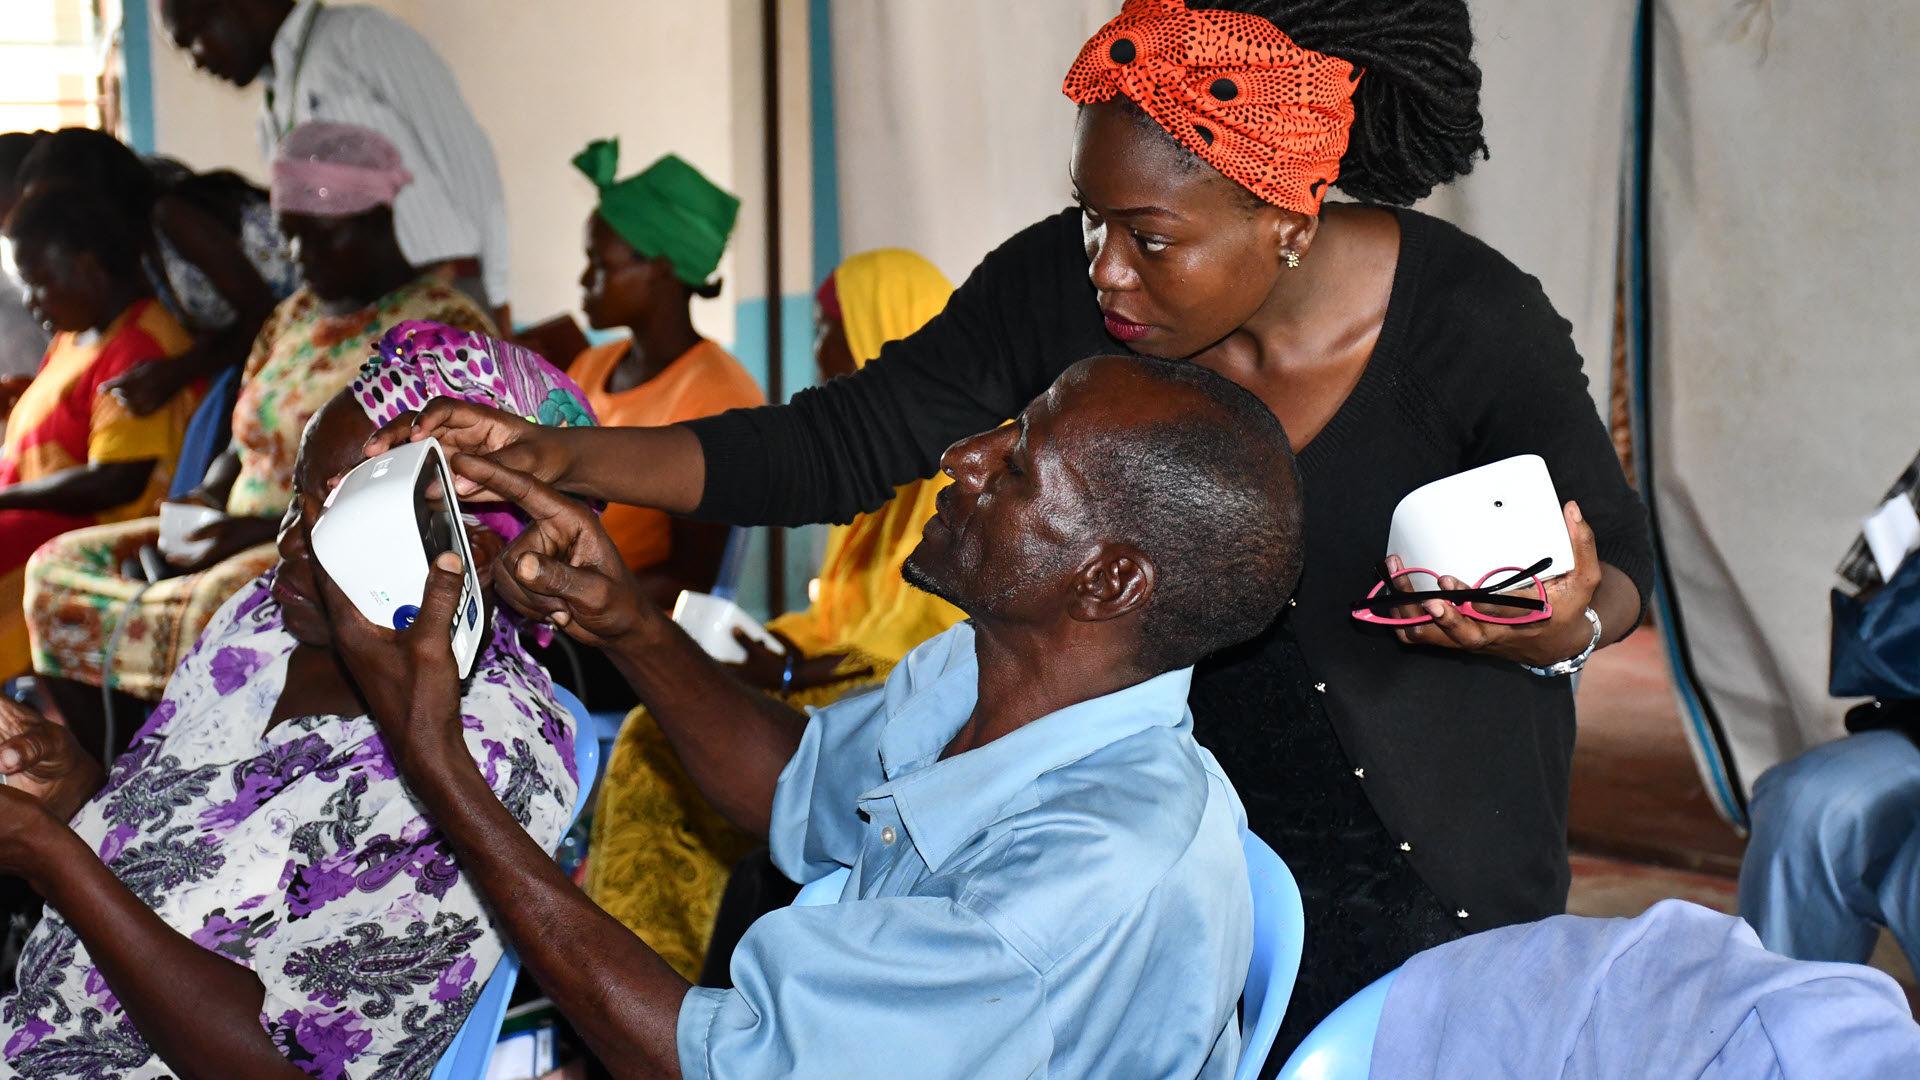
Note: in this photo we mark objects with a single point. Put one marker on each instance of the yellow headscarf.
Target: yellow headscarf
(862, 605)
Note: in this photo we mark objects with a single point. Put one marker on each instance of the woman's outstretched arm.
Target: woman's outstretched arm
(197, 1009)
(1025, 315)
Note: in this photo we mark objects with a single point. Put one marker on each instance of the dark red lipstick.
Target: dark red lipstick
(1126, 330)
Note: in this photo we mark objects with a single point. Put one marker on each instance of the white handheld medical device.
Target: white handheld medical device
(381, 530)
(1470, 524)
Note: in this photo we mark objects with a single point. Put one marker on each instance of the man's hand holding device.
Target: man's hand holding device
(409, 677)
(387, 523)
(402, 596)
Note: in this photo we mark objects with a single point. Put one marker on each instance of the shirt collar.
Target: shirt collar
(283, 56)
(943, 803)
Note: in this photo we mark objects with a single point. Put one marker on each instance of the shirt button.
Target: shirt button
(1361, 773)
(1461, 914)
(887, 836)
(1320, 686)
(1404, 846)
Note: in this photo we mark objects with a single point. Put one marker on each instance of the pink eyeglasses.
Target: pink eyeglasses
(1380, 604)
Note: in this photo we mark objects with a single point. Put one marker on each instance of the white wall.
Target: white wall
(953, 133)
(1554, 96)
(196, 117)
(543, 79)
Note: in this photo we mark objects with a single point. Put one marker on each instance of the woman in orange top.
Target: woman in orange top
(74, 456)
(652, 245)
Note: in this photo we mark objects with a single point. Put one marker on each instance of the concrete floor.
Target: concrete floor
(1641, 826)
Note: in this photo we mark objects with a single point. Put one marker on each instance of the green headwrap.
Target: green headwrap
(669, 209)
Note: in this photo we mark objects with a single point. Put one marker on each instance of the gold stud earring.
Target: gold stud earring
(1293, 259)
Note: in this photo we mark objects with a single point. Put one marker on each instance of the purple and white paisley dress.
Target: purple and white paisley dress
(300, 854)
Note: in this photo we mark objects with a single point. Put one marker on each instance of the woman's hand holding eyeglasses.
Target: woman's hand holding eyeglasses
(1566, 633)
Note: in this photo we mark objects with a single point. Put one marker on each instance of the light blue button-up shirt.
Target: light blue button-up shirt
(1069, 900)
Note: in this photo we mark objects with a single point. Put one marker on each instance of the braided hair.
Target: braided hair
(1416, 110)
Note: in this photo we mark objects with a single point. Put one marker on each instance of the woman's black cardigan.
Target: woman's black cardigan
(1466, 759)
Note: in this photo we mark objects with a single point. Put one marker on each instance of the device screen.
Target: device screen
(441, 528)
(435, 516)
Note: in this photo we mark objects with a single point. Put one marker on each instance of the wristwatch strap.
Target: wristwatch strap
(1573, 664)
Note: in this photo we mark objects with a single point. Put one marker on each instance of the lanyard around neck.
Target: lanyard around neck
(293, 84)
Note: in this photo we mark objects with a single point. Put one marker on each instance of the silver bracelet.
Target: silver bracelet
(1569, 666)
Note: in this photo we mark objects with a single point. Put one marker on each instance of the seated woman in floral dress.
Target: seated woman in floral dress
(253, 891)
(334, 187)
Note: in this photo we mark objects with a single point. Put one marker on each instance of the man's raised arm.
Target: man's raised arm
(733, 740)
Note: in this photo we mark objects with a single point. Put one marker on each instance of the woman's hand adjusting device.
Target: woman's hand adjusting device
(384, 525)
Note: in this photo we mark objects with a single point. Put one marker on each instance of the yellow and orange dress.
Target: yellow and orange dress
(659, 855)
(64, 422)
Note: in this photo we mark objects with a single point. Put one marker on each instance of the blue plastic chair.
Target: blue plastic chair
(471, 1051)
(726, 582)
(207, 433)
(1279, 931)
(1341, 1046)
(825, 890)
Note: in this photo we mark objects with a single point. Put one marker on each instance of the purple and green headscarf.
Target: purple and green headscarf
(418, 361)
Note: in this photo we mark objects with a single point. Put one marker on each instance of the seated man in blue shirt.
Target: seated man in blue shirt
(1046, 868)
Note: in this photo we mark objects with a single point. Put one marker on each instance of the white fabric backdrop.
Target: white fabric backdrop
(1785, 279)
(951, 130)
(952, 135)
(1554, 94)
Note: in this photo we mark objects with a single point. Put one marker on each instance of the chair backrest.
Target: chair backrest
(471, 1051)
(1341, 1046)
(732, 563)
(586, 748)
(1279, 931)
(825, 890)
(207, 433)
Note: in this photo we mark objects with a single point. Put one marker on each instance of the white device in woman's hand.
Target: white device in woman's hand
(711, 620)
(179, 520)
(1472, 523)
(383, 527)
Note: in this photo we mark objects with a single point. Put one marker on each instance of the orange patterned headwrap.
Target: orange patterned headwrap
(1270, 115)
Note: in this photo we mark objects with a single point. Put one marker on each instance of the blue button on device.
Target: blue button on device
(404, 615)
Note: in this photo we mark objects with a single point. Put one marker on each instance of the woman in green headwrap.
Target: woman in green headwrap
(653, 243)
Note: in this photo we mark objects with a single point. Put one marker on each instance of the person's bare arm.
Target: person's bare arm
(660, 467)
(83, 489)
(733, 740)
(217, 483)
(618, 993)
(197, 1009)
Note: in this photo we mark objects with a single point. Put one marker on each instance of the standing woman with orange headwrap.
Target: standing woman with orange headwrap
(1414, 779)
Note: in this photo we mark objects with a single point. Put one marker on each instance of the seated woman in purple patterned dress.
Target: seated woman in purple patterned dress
(253, 891)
